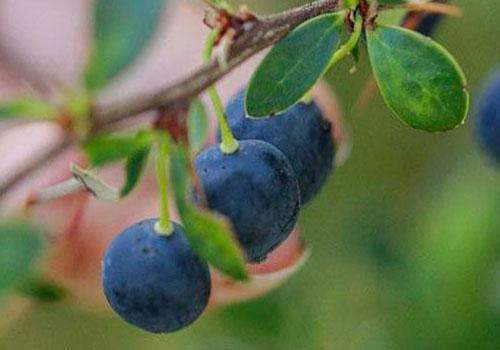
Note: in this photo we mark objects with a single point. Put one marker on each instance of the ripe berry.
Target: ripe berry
(256, 188)
(155, 282)
(300, 132)
(488, 118)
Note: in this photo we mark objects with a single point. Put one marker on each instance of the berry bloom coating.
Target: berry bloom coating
(155, 282)
(300, 132)
(256, 188)
(488, 118)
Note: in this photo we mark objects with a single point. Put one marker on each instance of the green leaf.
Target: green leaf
(418, 79)
(293, 65)
(20, 246)
(27, 108)
(197, 126)
(108, 148)
(41, 289)
(134, 169)
(209, 234)
(392, 2)
(122, 28)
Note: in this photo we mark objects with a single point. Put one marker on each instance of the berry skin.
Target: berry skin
(488, 118)
(300, 132)
(155, 282)
(256, 188)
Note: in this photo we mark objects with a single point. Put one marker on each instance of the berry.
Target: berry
(488, 118)
(300, 132)
(256, 188)
(155, 282)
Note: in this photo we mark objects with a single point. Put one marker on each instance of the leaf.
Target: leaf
(135, 167)
(94, 185)
(197, 126)
(41, 289)
(122, 28)
(209, 234)
(293, 66)
(392, 2)
(392, 17)
(20, 246)
(27, 108)
(108, 148)
(418, 79)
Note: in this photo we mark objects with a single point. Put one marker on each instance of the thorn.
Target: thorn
(434, 7)
(224, 47)
(54, 192)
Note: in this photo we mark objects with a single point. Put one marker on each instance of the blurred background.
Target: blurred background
(405, 239)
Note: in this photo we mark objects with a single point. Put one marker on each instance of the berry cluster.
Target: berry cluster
(155, 281)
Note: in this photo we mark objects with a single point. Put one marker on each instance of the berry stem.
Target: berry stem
(164, 226)
(228, 143)
(349, 45)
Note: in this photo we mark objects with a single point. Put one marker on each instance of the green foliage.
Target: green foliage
(136, 163)
(197, 126)
(20, 246)
(209, 234)
(108, 148)
(392, 2)
(294, 65)
(27, 107)
(122, 28)
(41, 289)
(418, 79)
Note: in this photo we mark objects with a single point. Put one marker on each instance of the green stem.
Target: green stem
(346, 49)
(229, 144)
(164, 226)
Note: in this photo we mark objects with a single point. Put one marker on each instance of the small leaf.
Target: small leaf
(392, 2)
(122, 30)
(209, 234)
(294, 65)
(108, 148)
(418, 79)
(20, 246)
(27, 108)
(94, 184)
(197, 126)
(135, 167)
(41, 289)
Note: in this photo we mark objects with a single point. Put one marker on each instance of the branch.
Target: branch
(258, 35)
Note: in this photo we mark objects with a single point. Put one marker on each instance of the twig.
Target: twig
(258, 35)
(435, 7)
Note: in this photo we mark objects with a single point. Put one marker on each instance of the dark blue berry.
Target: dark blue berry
(256, 188)
(488, 117)
(155, 282)
(300, 132)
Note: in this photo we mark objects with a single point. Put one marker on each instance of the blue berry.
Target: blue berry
(300, 132)
(155, 282)
(488, 118)
(256, 188)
